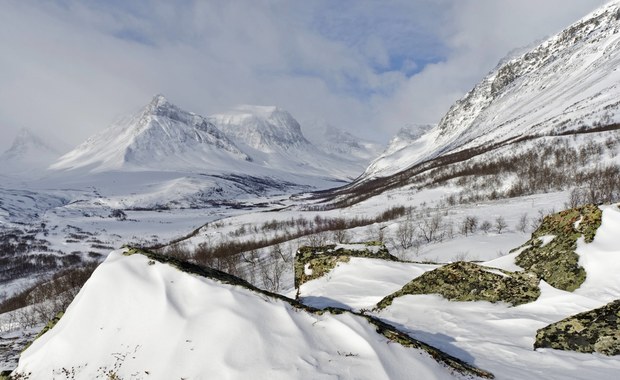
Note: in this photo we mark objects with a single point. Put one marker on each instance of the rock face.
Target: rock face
(551, 250)
(597, 330)
(465, 281)
(314, 262)
(563, 83)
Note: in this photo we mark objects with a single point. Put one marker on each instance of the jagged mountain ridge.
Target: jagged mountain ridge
(568, 82)
(275, 139)
(249, 142)
(264, 128)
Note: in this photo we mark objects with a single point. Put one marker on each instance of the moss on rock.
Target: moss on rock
(314, 262)
(596, 330)
(556, 261)
(465, 281)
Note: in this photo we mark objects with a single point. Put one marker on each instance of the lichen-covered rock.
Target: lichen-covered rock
(596, 330)
(465, 281)
(551, 250)
(314, 262)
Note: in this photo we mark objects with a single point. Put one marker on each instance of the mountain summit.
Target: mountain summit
(264, 128)
(27, 153)
(160, 136)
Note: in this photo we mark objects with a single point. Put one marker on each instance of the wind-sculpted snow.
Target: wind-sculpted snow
(165, 319)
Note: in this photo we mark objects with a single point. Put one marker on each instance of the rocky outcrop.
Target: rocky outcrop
(314, 262)
(596, 330)
(550, 253)
(465, 281)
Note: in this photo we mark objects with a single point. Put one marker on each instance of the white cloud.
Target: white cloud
(70, 68)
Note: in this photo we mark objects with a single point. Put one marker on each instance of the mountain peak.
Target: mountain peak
(27, 140)
(265, 128)
(161, 136)
(28, 152)
(159, 100)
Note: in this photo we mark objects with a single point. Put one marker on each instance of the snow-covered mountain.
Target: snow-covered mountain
(161, 136)
(401, 149)
(275, 140)
(331, 139)
(567, 83)
(28, 153)
(264, 128)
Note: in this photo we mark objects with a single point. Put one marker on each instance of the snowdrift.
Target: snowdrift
(140, 317)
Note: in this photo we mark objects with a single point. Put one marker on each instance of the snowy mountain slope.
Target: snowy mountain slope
(160, 136)
(568, 82)
(333, 140)
(183, 318)
(406, 146)
(275, 140)
(27, 154)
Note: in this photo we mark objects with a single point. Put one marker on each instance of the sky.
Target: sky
(69, 69)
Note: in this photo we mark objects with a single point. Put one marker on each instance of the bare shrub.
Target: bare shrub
(405, 234)
(485, 226)
(273, 267)
(500, 224)
(340, 236)
(522, 224)
(469, 225)
(429, 228)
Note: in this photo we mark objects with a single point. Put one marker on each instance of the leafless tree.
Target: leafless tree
(340, 236)
(405, 234)
(500, 224)
(469, 225)
(486, 226)
(522, 224)
(429, 227)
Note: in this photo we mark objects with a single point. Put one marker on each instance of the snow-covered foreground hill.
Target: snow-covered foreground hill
(137, 315)
(139, 318)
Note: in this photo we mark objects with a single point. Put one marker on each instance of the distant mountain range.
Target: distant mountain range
(248, 140)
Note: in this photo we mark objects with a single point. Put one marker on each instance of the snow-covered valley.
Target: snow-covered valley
(173, 245)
